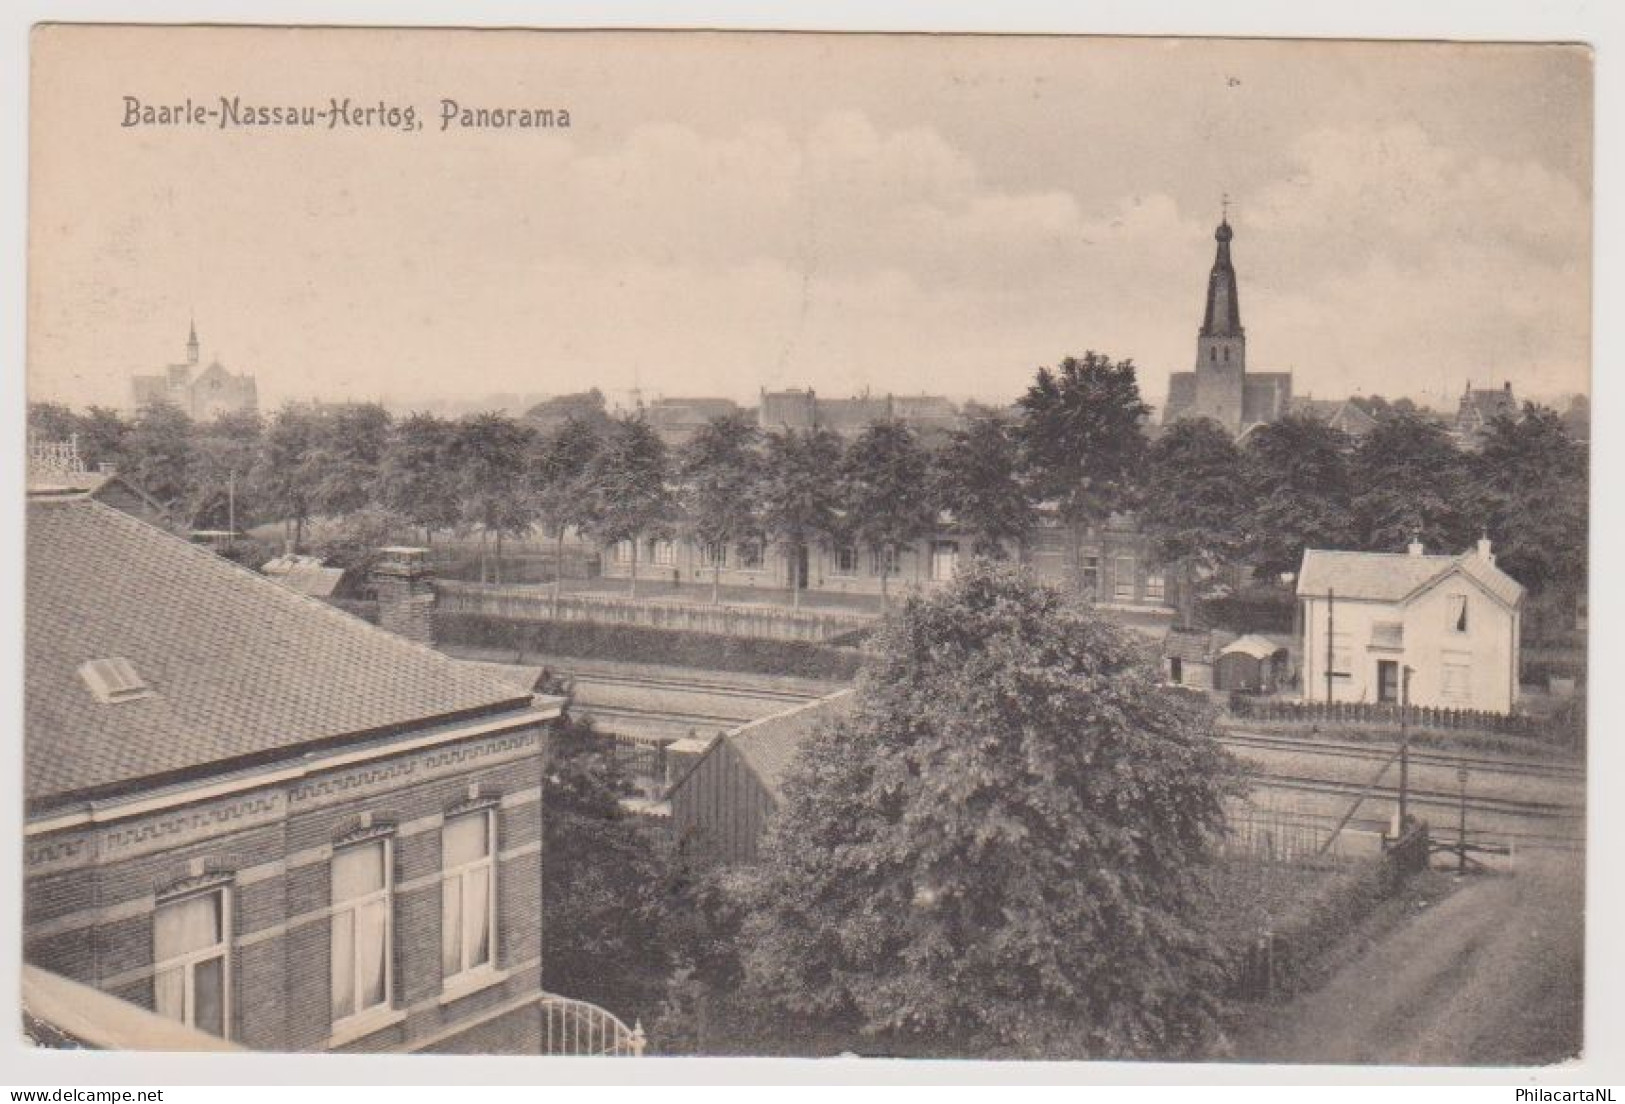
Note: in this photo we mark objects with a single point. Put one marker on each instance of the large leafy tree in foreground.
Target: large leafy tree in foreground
(1001, 849)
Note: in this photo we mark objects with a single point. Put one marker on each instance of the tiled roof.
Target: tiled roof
(1491, 578)
(1395, 576)
(242, 668)
(521, 676)
(1251, 645)
(1378, 576)
(1189, 645)
(768, 745)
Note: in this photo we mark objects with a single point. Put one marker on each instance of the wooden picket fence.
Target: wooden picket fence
(1245, 707)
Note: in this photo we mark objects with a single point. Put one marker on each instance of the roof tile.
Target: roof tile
(240, 665)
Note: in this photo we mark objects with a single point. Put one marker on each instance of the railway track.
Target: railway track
(1445, 833)
(1418, 756)
(1445, 799)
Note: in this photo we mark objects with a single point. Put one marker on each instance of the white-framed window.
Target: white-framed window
(750, 555)
(1123, 579)
(662, 553)
(1089, 570)
(191, 979)
(623, 552)
(1458, 613)
(1156, 588)
(714, 555)
(1342, 651)
(846, 560)
(468, 895)
(883, 561)
(362, 931)
(944, 560)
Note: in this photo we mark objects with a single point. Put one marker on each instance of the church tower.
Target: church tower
(191, 345)
(1221, 344)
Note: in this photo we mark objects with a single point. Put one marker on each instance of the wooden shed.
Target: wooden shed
(1187, 658)
(1250, 663)
(721, 805)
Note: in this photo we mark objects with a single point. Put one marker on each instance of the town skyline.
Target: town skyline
(738, 234)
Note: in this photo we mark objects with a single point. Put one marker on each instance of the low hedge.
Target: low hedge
(641, 644)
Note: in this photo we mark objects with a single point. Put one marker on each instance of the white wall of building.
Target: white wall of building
(1476, 668)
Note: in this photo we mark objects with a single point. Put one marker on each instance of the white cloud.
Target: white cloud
(837, 253)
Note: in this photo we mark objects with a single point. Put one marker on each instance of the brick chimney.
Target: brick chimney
(1485, 550)
(403, 582)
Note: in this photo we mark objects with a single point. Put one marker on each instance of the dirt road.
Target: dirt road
(1490, 975)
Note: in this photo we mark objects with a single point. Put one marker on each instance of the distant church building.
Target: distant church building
(1221, 388)
(201, 394)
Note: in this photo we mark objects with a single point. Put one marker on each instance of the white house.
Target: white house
(1452, 621)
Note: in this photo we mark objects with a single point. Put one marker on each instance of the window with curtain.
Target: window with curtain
(189, 951)
(361, 928)
(467, 893)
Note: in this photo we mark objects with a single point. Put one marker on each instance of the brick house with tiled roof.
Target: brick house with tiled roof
(259, 816)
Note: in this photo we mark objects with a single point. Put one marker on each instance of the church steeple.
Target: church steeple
(191, 344)
(1223, 316)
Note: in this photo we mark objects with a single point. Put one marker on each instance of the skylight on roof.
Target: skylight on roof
(113, 680)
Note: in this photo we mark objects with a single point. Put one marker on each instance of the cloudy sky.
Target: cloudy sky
(734, 212)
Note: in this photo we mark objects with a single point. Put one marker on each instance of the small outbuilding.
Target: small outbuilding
(1187, 658)
(721, 805)
(1250, 663)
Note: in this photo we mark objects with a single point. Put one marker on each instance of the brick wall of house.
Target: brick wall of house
(91, 892)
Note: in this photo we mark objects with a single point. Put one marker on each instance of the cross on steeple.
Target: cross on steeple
(1224, 207)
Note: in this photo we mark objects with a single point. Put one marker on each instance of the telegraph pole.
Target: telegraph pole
(231, 505)
(1404, 745)
(1461, 823)
(1330, 601)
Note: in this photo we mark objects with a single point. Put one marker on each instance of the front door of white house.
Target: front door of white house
(1388, 681)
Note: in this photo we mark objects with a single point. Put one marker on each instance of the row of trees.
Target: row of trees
(1299, 483)
(1076, 441)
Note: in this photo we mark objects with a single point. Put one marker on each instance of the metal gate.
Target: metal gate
(577, 1029)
